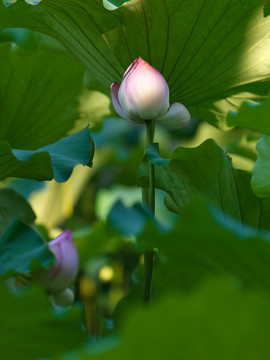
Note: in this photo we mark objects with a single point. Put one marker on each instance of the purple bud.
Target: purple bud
(58, 277)
(144, 95)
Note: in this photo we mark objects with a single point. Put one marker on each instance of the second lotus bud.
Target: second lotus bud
(59, 276)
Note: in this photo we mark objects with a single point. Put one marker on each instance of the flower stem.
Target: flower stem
(149, 199)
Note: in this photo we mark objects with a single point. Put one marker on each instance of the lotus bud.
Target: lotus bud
(59, 276)
(144, 95)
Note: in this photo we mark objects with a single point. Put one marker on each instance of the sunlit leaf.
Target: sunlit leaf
(216, 111)
(252, 116)
(93, 107)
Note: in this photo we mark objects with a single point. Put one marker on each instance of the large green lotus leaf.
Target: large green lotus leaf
(52, 161)
(215, 321)
(205, 49)
(261, 172)
(207, 172)
(20, 245)
(28, 322)
(38, 95)
(13, 204)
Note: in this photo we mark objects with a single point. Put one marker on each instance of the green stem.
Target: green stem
(149, 199)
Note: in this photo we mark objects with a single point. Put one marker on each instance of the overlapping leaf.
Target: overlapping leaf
(206, 50)
(20, 245)
(207, 172)
(52, 161)
(13, 204)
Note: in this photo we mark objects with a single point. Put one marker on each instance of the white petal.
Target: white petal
(147, 91)
(114, 93)
(129, 110)
(176, 117)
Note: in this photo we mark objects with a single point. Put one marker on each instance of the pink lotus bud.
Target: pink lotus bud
(144, 95)
(62, 273)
